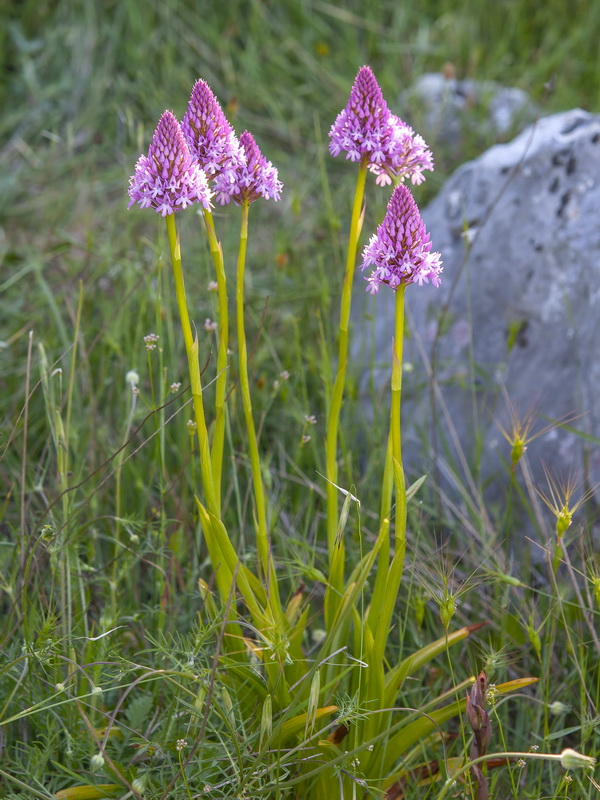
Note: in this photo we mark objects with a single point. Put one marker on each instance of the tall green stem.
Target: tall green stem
(336, 578)
(191, 349)
(399, 484)
(259, 495)
(392, 574)
(221, 383)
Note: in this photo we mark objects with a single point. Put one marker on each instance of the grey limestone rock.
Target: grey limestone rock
(518, 313)
(450, 107)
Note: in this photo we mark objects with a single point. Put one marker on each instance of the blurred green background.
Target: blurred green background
(85, 81)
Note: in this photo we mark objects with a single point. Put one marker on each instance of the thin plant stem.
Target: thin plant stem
(336, 580)
(216, 252)
(393, 576)
(449, 785)
(399, 483)
(191, 349)
(118, 497)
(23, 548)
(262, 536)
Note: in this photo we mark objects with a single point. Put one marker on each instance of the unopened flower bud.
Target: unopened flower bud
(139, 783)
(447, 609)
(97, 762)
(557, 708)
(571, 759)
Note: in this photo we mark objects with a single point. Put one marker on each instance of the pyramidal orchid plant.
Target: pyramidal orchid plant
(216, 149)
(169, 180)
(370, 135)
(286, 698)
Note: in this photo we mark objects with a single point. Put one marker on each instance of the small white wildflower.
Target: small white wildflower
(521, 763)
(275, 384)
(371, 747)
(135, 390)
(175, 387)
(310, 420)
(306, 438)
(284, 375)
(192, 426)
(181, 743)
(534, 748)
(150, 340)
(132, 378)
(209, 324)
(212, 286)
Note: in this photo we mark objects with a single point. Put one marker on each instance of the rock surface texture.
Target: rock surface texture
(451, 108)
(519, 308)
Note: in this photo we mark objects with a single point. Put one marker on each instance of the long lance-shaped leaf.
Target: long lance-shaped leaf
(219, 544)
(386, 697)
(396, 676)
(292, 727)
(339, 625)
(337, 559)
(89, 792)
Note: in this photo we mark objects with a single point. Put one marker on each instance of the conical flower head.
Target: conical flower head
(167, 179)
(209, 135)
(256, 178)
(400, 251)
(367, 131)
(362, 129)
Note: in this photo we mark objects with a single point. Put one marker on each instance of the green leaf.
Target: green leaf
(396, 676)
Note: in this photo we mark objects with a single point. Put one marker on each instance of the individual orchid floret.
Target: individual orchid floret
(209, 135)
(256, 178)
(167, 179)
(367, 131)
(400, 251)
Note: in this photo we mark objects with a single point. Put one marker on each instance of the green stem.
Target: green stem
(221, 382)
(392, 575)
(259, 495)
(450, 785)
(336, 580)
(396, 438)
(191, 348)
